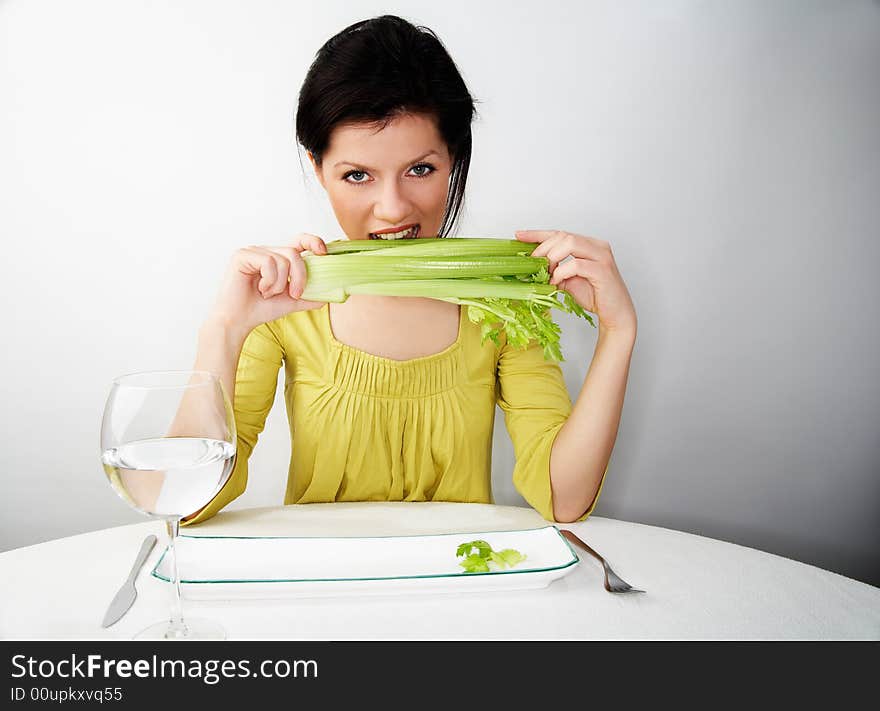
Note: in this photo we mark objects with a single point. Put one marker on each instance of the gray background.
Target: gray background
(729, 151)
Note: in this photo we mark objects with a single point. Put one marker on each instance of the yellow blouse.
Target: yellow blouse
(369, 428)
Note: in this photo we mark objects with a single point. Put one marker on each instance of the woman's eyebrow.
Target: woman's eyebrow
(359, 165)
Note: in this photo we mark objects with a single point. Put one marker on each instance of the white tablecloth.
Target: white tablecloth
(697, 588)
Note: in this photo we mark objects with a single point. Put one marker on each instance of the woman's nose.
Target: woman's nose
(393, 206)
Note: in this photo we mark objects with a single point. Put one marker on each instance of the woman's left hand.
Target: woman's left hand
(590, 276)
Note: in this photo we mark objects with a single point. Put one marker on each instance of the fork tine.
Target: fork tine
(618, 584)
(613, 582)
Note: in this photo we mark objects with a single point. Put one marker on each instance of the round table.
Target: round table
(696, 588)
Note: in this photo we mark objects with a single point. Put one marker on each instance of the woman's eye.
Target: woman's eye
(424, 170)
(358, 176)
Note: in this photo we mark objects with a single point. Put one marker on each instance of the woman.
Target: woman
(394, 398)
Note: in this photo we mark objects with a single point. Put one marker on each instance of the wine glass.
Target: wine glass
(168, 446)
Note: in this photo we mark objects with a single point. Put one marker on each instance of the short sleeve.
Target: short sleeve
(532, 395)
(256, 382)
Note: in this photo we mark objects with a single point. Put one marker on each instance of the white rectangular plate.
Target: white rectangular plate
(226, 567)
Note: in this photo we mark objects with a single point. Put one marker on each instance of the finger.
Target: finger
(535, 235)
(255, 262)
(297, 276)
(281, 282)
(575, 268)
(582, 245)
(273, 283)
(313, 243)
(305, 241)
(287, 253)
(310, 243)
(295, 273)
(582, 289)
(547, 244)
(575, 246)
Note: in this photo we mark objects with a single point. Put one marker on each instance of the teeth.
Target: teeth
(404, 234)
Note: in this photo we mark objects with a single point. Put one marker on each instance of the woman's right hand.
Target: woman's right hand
(264, 283)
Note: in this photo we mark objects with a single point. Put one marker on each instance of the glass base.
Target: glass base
(193, 629)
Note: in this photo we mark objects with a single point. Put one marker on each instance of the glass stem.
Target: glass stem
(176, 627)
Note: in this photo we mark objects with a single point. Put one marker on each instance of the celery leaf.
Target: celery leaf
(479, 561)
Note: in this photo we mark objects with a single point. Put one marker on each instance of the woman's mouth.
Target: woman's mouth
(405, 232)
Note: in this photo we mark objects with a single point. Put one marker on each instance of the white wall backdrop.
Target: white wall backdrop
(729, 151)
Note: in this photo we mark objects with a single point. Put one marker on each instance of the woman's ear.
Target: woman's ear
(318, 172)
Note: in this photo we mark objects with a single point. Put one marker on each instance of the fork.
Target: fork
(613, 582)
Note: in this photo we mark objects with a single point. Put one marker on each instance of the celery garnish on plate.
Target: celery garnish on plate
(479, 560)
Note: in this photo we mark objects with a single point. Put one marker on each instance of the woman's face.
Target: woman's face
(389, 180)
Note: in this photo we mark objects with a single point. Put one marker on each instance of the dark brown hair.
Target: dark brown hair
(377, 69)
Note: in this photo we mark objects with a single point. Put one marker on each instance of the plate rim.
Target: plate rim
(574, 560)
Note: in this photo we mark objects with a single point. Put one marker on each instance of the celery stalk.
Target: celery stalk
(500, 285)
(433, 247)
(457, 288)
(341, 268)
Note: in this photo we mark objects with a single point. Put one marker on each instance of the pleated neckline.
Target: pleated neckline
(354, 370)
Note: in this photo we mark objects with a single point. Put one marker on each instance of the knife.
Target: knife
(127, 594)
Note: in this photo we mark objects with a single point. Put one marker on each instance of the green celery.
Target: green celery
(433, 247)
(333, 269)
(478, 562)
(502, 287)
